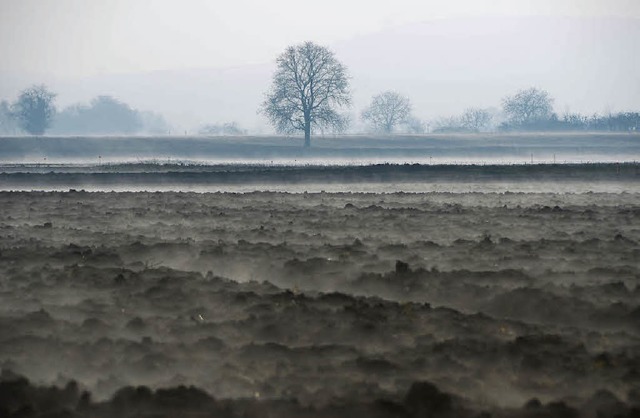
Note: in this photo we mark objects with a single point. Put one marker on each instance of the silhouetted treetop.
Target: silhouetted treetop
(528, 106)
(34, 109)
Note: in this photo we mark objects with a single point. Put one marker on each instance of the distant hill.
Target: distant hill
(588, 65)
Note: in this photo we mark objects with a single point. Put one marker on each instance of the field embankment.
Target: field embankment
(509, 148)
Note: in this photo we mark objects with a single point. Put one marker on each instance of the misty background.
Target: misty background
(201, 65)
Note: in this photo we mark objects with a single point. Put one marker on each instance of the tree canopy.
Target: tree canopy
(309, 87)
(34, 110)
(528, 107)
(107, 115)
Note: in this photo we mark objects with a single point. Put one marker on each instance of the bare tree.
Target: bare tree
(34, 109)
(309, 85)
(475, 119)
(387, 110)
(528, 106)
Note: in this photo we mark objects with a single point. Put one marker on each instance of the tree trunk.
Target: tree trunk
(307, 132)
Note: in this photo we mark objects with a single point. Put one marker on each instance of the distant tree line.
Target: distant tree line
(309, 94)
(532, 110)
(34, 113)
(106, 115)
(612, 122)
(311, 87)
(472, 120)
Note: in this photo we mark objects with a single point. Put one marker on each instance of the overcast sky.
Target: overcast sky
(69, 38)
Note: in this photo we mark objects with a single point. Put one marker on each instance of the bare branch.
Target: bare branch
(528, 106)
(386, 111)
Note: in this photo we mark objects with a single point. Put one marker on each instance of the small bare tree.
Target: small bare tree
(528, 106)
(475, 119)
(34, 109)
(415, 125)
(386, 111)
(309, 86)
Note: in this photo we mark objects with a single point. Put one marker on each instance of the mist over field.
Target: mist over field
(514, 148)
(410, 209)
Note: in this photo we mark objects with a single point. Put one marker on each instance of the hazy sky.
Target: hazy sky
(69, 38)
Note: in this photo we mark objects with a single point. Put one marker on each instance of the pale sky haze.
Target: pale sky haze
(210, 61)
(70, 38)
